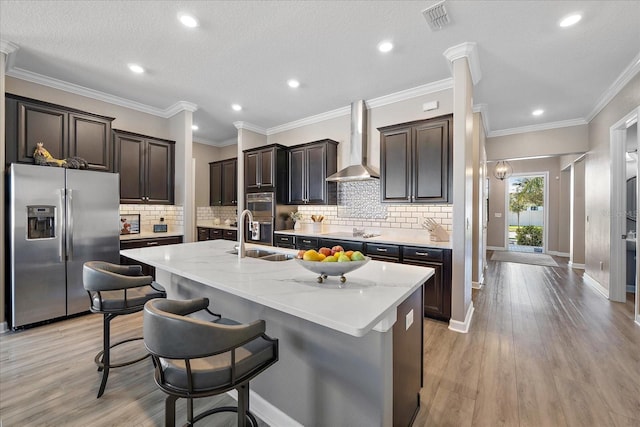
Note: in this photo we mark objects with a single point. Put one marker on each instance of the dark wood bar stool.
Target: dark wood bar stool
(116, 290)
(195, 358)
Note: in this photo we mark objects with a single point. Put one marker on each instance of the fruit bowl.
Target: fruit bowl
(324, 269)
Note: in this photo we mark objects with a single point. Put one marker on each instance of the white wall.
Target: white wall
(551, 142)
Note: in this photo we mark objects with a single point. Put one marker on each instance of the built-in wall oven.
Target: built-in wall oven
(263, 210)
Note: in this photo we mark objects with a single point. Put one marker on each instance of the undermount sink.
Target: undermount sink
(264, 255)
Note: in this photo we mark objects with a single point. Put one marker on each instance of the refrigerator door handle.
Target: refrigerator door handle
(61, 227)
(69, 224)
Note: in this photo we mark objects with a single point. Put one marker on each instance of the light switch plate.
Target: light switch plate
(408, 321)
(498, 214)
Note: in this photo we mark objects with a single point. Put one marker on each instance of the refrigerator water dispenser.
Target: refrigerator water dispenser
(41, 222)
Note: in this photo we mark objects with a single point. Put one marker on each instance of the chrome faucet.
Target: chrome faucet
(241, 250)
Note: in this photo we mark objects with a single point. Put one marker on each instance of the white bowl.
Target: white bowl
(324, 269)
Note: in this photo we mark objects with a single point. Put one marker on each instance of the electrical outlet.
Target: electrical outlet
(601, 265)
(408, 321)
(498, 214)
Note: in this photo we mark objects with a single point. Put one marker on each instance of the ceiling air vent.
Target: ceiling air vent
(436, 16)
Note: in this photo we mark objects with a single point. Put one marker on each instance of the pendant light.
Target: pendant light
(503, 170)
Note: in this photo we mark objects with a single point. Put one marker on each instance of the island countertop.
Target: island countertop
(366, 302)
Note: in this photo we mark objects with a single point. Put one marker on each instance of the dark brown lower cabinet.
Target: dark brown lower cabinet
(146, 243)
(407, 360)
(437, 290)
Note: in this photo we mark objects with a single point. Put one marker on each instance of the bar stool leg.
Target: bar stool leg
(106, 331)
(170, 411)
(243, 404)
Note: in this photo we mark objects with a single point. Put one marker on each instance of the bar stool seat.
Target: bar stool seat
(116, 290)
(194, 358)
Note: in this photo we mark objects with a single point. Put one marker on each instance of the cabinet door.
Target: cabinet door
(90, 138)
(316, 172)
(229, 183)
(215, 184)
(395, 165)
(41, 123)
(130, 152)
(159, 172)
(267, 168)
(297, 181)
(431, 162)
(203, 234)
(251, 176)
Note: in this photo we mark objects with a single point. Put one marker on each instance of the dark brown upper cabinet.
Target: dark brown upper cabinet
(265, 169)
(416, 161)
(65, 132)
(146, 166)
(223, 183)
(309, 165)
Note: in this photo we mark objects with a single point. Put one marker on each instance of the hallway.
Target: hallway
(544, 349)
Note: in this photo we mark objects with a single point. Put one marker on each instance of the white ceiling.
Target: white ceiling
(244, 52)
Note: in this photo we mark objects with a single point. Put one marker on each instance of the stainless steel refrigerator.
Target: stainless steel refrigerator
(59, 219)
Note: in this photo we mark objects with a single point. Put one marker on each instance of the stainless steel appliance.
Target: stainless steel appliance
(268, 216)
(59, 218)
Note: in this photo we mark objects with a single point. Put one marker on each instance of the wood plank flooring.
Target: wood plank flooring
(544, 349)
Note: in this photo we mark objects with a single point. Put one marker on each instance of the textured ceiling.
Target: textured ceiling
(244, 52)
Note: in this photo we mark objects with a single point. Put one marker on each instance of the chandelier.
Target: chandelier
(503, 170)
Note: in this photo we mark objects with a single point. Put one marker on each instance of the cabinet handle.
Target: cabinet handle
(422, 253)
(152, 243)
(306, 241)
(381, 250)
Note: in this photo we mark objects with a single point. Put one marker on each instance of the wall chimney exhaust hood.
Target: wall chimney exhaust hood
(357, 169)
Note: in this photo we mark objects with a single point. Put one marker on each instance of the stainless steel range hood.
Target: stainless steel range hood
(357, 169)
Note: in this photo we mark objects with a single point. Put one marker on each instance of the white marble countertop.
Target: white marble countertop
(368, 301)
(211, 224)
(151, 235)
(404, 237)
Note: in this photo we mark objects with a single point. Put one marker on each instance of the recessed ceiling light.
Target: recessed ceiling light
(537, 112)
(194, 127)
(136, 68)
(293, 83)
(385, 46)
(188, 21)
(236, 107)
(570, 20)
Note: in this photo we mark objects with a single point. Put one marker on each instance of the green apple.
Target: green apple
(344, 258)
(330, 258)
(357, 256)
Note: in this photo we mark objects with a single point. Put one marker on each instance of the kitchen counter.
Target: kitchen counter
(389, 236)
(150, 235)
(210, 224)
(340, 347)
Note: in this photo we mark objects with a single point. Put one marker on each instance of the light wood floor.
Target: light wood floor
(544, 349)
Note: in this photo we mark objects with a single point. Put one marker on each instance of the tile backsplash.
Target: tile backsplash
(208, 213)
(150, 214)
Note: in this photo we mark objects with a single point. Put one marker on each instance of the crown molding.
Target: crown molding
(403, 95)
(9, 49)
(54, 83)
(251, 127)
(465, 50)
(625, 77)
(483, 109)
(232, 141)
(538, 127)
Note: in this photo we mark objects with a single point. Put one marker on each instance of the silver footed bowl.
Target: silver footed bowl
(324, 269)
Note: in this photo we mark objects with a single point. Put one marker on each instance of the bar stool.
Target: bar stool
(116, 290)
(195, 358)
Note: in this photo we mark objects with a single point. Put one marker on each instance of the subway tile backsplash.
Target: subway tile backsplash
(208, 213)
(150, 214)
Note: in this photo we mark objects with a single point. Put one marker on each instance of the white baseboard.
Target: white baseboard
(479, 284)
(4, 327)
(496, 248)
(560, 254)
(266, 411)
(462, 327)
(595, 285)
(574, 265)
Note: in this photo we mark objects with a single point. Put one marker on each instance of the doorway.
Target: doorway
(624, 171)
(527, 217)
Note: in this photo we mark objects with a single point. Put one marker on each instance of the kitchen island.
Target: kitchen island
(349, 355)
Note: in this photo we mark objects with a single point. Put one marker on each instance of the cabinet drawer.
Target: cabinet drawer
(282, 239)
(216, 233)
(306, 243)
(230, 234)
(203, 234)
(143, 243)
(418, 254)
(347, 245)
(383, 252)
